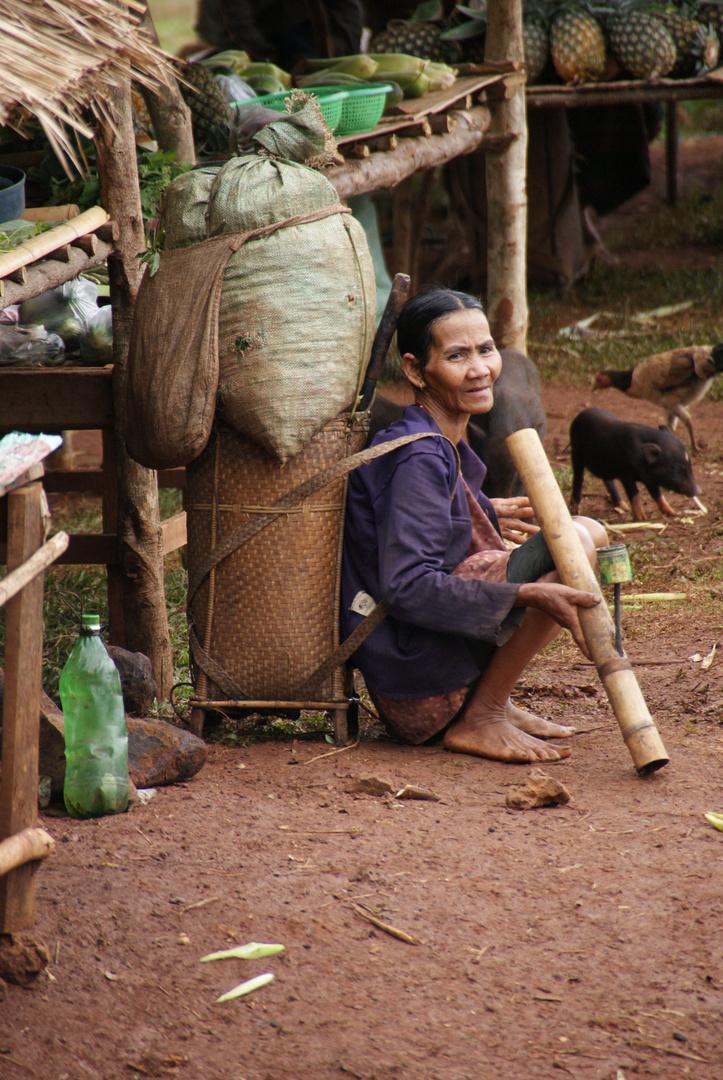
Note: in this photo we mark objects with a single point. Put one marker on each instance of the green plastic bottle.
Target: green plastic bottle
(96, 739)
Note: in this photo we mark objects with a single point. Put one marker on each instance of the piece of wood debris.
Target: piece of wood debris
(200, 903)
(409, 791)
(401, 935)
(670, 1051)
(330, 753)
(636, 526)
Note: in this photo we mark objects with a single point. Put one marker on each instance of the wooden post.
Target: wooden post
(506, 196)
(671, 152)
(402, 223)
(21, 713)
(139, 523)
(170, 116)
(109, 511)
(24, 847)
(420, 210)
(636, 725)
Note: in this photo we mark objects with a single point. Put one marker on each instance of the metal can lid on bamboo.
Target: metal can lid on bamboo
(614, 564)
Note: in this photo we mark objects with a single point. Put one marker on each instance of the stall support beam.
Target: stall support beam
(21, 732)
(671, 152)
(505, 171)
(140, 547)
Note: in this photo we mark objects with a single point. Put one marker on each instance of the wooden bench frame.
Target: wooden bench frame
(22, 844)
(81, 399)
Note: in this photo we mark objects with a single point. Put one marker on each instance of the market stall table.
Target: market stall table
(668, 91)
(22, 845)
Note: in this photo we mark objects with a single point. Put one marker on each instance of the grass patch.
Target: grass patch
(619, 338)
(70, 590)
(696, 220)
(703, 117)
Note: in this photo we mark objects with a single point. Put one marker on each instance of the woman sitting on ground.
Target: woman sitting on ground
(464, 615)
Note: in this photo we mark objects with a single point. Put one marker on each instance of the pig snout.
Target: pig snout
(668, 463)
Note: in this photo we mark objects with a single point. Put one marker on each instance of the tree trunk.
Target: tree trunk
(170, 116)
(506, 193)
(140, 573)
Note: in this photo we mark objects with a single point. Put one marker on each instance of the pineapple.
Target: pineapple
(641, 44)
(711, 13)
(577, 44)
(420, 35)
(696, 45)
(537, 45)
(471, 36)
(211, 114)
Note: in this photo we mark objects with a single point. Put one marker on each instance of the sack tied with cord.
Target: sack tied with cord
(262, 311)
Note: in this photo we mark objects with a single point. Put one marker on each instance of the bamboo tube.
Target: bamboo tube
(50, 213)
(25, 847)
(50, 241)
(636, 725)
(44, 556)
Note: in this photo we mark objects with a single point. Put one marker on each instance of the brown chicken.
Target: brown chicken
(671, 380)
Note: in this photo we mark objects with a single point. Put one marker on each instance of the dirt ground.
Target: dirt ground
(581, 940)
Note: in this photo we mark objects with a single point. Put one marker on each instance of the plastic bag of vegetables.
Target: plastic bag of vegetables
(65, 311)
(96, 341)
(30, 347)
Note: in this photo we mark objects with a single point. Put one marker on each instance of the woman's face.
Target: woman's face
(463, 363)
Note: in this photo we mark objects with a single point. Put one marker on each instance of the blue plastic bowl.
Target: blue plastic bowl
(12, 193)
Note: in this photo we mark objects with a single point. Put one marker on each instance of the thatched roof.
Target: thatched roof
(58, 58)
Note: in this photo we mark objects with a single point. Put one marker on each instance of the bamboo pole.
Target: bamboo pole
(44, 243)
(25, 847)
(636, 725)
(49, 273)
(43, 557)
(51, 213)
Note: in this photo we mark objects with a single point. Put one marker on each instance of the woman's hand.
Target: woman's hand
(510, 514)
(560, 603)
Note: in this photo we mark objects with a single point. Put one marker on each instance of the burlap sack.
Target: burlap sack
(172, 372)
(297, 308)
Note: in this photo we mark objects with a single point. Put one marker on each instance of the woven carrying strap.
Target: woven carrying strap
(287, 502)
(206, 663)
(240, 536)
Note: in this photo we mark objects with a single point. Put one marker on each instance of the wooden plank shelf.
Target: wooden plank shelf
(56, 399)
(630, 90)
(69, 398)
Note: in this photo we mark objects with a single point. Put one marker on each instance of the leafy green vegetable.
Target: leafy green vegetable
(247, 987)
(156, 169)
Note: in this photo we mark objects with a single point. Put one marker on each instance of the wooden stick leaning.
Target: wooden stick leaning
(47, 242)
(44, 556)
(25, 847)
(636, 725)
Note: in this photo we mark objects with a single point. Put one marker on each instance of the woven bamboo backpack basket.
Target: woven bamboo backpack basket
(264, 561)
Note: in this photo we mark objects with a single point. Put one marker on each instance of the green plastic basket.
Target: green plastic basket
(362, 108)
(331, 102)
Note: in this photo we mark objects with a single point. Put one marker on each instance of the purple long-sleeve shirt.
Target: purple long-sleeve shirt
(407, 528)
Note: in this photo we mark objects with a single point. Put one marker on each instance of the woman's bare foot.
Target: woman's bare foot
(492, 736)
(536, 725)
